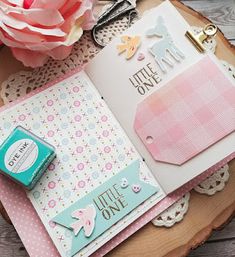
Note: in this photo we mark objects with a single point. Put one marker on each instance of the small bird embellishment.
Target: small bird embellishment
(86, 220)
(130, 45)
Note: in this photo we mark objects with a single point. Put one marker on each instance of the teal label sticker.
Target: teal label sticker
(96, 212)
(24, 157)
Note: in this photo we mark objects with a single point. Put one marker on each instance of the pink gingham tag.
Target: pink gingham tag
(190, 113)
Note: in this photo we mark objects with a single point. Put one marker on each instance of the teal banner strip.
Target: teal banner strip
(96, 212)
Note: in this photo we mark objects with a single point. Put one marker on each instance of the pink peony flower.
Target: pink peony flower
(38, 29)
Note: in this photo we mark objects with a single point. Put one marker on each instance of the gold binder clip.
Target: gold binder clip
(197, 40)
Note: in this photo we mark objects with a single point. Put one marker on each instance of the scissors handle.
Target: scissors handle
(119, 8)
(116, 10)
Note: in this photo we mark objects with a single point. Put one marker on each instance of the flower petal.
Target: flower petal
(75, 33)
(27, 4)
(16, 2)
(12, 22)
(45, 4)
(29, 58)
(60, 52)
(34, 16)
(21, 36)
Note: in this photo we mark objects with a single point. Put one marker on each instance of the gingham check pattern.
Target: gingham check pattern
(190, 113)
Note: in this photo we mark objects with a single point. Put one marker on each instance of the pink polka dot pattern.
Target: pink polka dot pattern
(26, 221)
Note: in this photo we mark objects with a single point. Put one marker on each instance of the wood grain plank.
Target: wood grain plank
(222, 13)
(215, 249)
(227, 232)
(10, 243)
(220, 244)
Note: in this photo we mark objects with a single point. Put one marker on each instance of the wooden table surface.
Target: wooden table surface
(221, 243)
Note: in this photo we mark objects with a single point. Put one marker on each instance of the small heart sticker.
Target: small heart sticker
(140, 57)
(136, 188)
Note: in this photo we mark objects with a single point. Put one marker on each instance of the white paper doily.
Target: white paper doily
(214, 183)
(173, 214)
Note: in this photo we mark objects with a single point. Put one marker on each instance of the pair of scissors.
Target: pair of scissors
(115, 11)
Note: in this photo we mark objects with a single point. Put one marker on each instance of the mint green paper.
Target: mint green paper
(130, 200)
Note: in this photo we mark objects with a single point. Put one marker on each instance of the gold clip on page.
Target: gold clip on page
(197, 40)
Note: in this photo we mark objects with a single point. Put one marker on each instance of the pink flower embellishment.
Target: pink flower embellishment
(108, 166)
(104, 118)
(76, 103)
(80, 166)
(107, 149)
(52, 224)
(105, 133)
(50, 133)
(76, 89)
(79, 149)
(51, 167)
(38, 29)
(81, 183)
(52, 203)
(78, 133)
(51, 184)
(86, 220)
(50, 102)
(77, 118)
(22, 117)
(50, 117)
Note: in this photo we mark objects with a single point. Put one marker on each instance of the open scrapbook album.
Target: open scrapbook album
(143, 118)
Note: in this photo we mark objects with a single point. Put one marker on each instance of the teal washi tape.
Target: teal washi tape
(24, 157)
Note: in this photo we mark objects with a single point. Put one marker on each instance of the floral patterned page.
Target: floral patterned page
(91, 148)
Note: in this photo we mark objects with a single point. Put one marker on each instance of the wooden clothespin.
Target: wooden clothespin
(197, 40)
